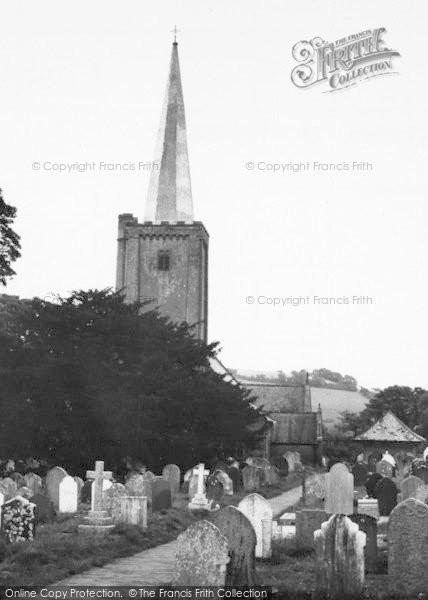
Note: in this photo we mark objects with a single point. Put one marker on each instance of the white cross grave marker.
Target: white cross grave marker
(99, 475)
(201, 472)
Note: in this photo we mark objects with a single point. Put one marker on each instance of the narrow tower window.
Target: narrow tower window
(163, 260)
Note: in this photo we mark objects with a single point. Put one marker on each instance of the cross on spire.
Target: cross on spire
(175, 31)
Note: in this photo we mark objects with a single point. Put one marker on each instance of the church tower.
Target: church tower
(165, 258)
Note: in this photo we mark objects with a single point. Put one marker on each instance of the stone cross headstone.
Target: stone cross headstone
(339, 497)
(68, 493)
(371, 483)
(98, 475)
(34, 483)
(200, 501)
(368, 524)
(106, 486)
(384, 468)
(112, 500)
(202, 556)
(133, 510)
(339, 566)
(386, 494)
(53, 479)
(161, 494)
(360, 471)
(241, 538)
(307, 522)
(173, 474)
(18, 520)
(257, 510)
(408, 548)
(409, 486)
(253, 478)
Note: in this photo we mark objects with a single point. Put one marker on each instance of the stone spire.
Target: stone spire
(169, 196)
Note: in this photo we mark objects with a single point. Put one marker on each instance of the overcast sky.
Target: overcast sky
(84, 82)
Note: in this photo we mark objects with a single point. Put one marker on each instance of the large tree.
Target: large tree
(93, 377)
(9, 241)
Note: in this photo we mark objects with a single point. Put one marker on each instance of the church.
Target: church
(163, 262)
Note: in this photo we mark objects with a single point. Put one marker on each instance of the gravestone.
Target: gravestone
(106, 485)
(80, 484)
(34, 483)
(68, 492)
(18, 520)
(339, 496)
(86, 492)
(339, 563)
(384, 468)
(241, 538)
(140, 485)
(257, 510)
(369, 526)
(133, 510)
(225, 481)
(368, 506)
(214, 488)
(97, 520)
(253, 478)
(360, 471)
(291, 459)
(112, 500)
(161, 494)
(193, 485)
(386, 494)
(202, 556)
(409, 487)
(408, 548)
(173, 474)
(44, 510)
(199, 501)
(422, 493)
(297, 461)
(281, 464)
(307, 522)
(52, 480)
(371, 483)
(11, 488)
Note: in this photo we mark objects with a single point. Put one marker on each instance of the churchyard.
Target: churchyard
(357, 530)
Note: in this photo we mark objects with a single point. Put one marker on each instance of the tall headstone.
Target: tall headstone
(112, 500)
(241, 538)
(68, 492)
(368, 524)
(409, 486)
(386, 494)
(80, 484)
(253, 478)
(307, 522)
(202, 556)
(44, 511)
(408, 548)
(34, 483)
(291, 459)
(53, 479)
(360, 471)
(161, 494)
(98, 520)
(257, 509)
(173, 474)
(384, 468)
(339, 497)
(133, 510)
(18, 520)
(339, 567)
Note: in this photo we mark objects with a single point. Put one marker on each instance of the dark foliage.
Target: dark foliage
(9, 241)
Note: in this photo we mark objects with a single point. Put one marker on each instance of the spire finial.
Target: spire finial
(175, 31)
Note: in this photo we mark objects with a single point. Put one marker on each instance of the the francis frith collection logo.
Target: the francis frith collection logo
(342, 63)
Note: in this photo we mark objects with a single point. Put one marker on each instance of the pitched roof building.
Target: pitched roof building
(390, 433)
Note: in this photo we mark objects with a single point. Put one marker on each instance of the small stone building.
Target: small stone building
(390, 433)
